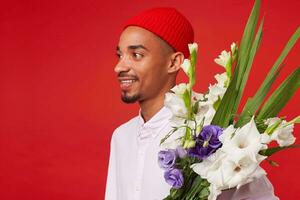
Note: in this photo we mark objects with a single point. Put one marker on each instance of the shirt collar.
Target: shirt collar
(152, 127)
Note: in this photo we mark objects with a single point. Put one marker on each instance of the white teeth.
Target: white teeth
(127, 81)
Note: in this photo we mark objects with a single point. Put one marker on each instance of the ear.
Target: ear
(175, 62)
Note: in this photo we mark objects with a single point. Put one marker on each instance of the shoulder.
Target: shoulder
(126, 128)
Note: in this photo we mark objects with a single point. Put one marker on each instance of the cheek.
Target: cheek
(156, 79)
(160, 73)
(152, 74)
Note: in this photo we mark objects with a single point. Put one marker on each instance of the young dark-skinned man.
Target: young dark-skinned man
(151, 49)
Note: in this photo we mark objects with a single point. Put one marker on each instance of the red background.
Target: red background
(60, 100)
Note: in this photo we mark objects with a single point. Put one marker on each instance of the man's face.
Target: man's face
(142, 67)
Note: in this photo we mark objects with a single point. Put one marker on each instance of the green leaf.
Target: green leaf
(296, 120)
(247, 39)
(223, 114)
(193, 68)
(272, 162)
(196, 107)
(234, 91)
(204, 193)
(251, 55)
(273, 127)
(254, 103)
(260, 125)
(271, 151)
(284, 53)
(217, 103)
(188, 103)
(198, 190)
(194, 188)
(187, 140)
(228, 68)
(186, 98)
(280, 96)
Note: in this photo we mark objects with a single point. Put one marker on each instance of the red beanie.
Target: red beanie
(168, 24)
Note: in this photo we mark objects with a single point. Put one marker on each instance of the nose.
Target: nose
(122, 66)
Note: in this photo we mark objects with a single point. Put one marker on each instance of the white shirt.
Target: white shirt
(134, 174)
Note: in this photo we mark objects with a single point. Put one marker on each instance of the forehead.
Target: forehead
(134, 35)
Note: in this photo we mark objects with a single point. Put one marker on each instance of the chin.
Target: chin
(130, 99)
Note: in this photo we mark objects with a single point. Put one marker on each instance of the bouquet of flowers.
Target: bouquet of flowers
(211, 147)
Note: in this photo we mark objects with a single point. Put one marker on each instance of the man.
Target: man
(151, 49)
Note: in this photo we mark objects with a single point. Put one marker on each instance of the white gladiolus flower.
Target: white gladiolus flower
(233, 48)
(265, 138)
(203, 108)
(242, 147)
(197, 96)
(283, 133)
(175, 104)
(176, 121)
(179, 89)
(245, 141)
(213, 192)
(179, 121)
(227, 134)
(211, 168)
(224, 172)
(223, 58)
(237, 162)
(215, 92)
(272, 121)
(186, 66)
(221, 79)
(240, 172)
(174, 140)
(193, 47)
(206, 112)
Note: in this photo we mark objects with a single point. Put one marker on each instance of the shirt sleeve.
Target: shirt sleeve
(111, 182)
(259, 189)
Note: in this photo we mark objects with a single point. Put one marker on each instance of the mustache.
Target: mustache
(125, 74)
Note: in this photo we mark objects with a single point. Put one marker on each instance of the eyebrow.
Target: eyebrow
(133, 47)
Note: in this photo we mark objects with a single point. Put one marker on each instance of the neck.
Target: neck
(150, 107)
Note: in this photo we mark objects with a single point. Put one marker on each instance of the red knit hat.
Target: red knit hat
(168, 24)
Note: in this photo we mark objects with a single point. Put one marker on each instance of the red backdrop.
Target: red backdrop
(60, 99)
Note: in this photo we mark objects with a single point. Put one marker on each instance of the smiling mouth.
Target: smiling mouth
(127, 83)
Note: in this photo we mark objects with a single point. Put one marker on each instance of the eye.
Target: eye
(137, 55)
(119, 55)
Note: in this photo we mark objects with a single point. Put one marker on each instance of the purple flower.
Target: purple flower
(174, 178)
(181, 152)
(207, 142)
(167, 159)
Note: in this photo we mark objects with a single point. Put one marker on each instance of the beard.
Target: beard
(129, 99)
